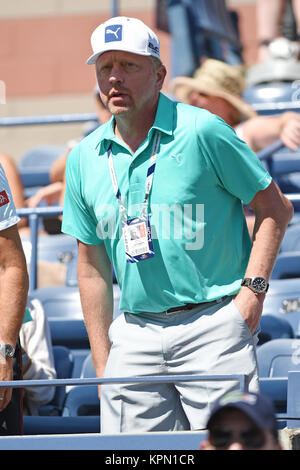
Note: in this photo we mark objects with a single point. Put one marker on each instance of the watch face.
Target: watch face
(259, 284)
(9, 350)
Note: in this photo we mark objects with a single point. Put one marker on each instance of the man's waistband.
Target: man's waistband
(192, 306)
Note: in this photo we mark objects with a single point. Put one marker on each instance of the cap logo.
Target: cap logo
(113, 33)
(154, 48)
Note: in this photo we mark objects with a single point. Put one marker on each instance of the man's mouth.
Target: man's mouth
(116, 94)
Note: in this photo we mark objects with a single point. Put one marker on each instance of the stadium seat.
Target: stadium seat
(291, 239)
(269, 93)
(82, 400)
(35, 164)
(88, 370)
(275, 388)
(283, 300)
(279, 356)
(63, 361)
(79, 355)
(52, 248)
(60, 301)
(287, 265)
(41, 425)
(69, 332)
(273, 327)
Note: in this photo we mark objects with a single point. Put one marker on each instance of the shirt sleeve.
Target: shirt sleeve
(77, 218)
(236, 166)
(8, 215)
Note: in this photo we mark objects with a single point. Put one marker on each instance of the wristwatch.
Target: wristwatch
(259, 285)
(7, 350)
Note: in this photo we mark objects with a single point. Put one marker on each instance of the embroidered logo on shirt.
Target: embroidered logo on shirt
(3, 198)
(113, 33)
(177, 157)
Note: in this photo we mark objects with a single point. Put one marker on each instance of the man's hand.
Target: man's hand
(250, 307)
(6, 374)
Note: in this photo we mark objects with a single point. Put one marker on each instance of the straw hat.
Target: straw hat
(215, 78)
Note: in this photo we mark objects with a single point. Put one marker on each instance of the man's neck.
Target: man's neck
(132, 130)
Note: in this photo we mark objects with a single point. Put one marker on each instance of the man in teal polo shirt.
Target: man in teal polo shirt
(157, 193)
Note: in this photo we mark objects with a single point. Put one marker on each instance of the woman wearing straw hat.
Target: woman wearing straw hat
(218, 87)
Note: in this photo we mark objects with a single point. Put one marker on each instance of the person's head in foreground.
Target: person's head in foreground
(242, 421)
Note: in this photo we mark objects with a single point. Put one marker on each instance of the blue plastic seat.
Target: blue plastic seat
(291, 239)
(269, 93)
(273, 327)
(279, 356)
(63, 361)
(287, 265)
(41, 425)
(69, 332)
(82, 400)
(60, 301)
(79, 355)
(88, 370)
(35, 164)
(52, 248)
(275, 388)
(283, 300)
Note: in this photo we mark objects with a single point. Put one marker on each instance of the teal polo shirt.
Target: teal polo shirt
(203, 174)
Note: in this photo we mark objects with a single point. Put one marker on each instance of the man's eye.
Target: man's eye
(130, 65)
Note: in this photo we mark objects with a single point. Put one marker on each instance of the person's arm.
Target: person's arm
(57, 170)
(96, 293)
(13, 296)
(273, 212)
(261, 131)
(50, 193)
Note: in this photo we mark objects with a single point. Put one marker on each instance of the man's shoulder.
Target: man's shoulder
(202, 120)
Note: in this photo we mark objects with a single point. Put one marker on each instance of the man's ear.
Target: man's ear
(161, 73)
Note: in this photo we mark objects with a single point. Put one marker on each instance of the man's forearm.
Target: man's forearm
(97, 304)
(272, 215)
(13, 298)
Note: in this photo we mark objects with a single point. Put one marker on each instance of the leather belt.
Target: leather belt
(191, 306)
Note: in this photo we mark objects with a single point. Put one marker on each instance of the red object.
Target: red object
(3, 198)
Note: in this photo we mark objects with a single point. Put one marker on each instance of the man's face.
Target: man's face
(215, 105)
(233, 430)
(128, 82)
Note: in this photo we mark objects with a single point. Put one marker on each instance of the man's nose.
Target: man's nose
(116, 74)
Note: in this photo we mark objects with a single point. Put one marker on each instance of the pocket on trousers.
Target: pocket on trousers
(112, 326)
(241, 319)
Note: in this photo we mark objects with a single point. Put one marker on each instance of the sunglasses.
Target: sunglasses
(252, 438)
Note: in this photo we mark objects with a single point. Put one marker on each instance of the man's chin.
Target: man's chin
(118, 110)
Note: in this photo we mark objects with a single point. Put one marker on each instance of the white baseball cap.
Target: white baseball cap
(124, 34)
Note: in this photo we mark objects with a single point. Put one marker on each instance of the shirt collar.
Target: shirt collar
(164, 122)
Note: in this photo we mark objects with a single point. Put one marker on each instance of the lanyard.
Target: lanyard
(149, 178)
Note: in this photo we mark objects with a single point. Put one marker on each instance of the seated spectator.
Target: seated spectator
(37, 356)
(54, 192)
(242, 421)
(218, 87)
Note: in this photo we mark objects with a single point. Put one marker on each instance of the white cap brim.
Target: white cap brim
(93, 58)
